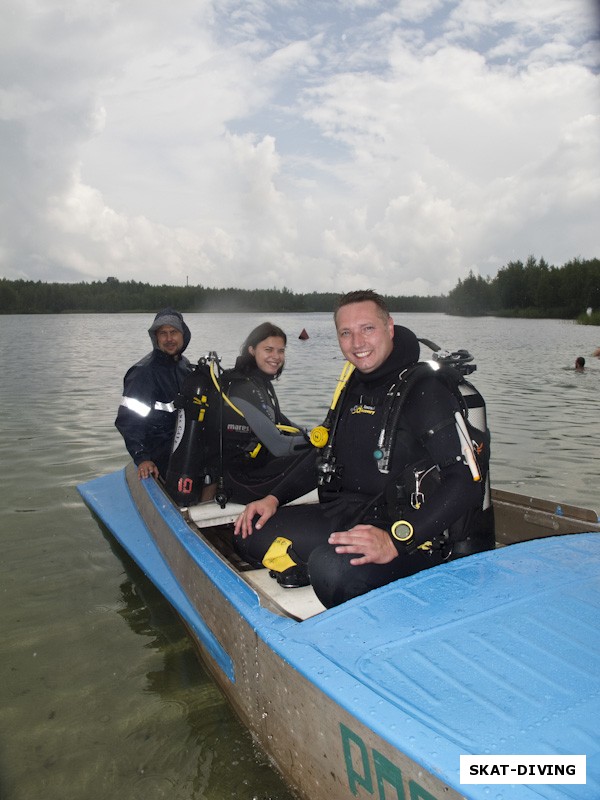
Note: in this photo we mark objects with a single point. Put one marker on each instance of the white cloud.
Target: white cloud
(283, 143)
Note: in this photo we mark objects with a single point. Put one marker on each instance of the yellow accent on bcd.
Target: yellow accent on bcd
(402, 530)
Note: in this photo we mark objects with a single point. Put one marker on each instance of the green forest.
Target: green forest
(531, 289)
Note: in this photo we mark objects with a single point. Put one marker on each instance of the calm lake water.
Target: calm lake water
(102, 695)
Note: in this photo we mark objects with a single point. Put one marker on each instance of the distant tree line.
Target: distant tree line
(112, 295)
(532, 289)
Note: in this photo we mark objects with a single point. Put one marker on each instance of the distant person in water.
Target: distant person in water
(580, 364)
(596, 352)
(146, 417)
(260, 444)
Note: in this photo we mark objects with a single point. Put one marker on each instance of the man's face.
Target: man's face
(169, 340)
(365, 337)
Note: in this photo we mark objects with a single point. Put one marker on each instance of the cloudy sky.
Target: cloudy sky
(316, 145)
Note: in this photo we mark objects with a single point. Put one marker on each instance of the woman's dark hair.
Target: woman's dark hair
(246, 362)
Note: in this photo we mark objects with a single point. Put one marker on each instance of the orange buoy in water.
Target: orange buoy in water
(304, 334)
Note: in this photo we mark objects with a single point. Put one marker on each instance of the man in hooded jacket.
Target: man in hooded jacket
(146, 417)
(360, 536)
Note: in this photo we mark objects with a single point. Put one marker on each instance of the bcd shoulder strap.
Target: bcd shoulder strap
(398, 393)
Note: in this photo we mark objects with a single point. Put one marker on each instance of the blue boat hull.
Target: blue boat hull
(498, 653)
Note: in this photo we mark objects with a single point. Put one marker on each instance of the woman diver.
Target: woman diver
(259, 443)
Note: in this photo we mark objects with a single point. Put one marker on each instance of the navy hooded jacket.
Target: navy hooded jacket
(146, 417)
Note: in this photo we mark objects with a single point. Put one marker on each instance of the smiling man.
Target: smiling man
(396, 494)
(365, 332)
(146, 417)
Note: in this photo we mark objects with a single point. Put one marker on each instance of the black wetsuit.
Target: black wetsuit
(359, 493)
(257, 454)
(146, 418)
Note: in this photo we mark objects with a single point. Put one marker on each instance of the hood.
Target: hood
(406, 347)
(168, 316)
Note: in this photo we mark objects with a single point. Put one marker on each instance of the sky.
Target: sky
(312, 145)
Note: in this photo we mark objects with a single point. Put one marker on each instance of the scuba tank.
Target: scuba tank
(197, 455)
(188, 469)
(474, 418)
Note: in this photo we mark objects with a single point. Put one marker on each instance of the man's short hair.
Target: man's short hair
(361, 296)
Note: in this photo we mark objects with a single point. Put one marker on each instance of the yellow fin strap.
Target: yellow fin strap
(276, 557)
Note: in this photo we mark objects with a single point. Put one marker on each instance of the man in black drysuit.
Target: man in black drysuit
(371, 528)
(146, 417)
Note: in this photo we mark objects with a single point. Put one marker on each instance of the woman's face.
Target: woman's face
(269, 354)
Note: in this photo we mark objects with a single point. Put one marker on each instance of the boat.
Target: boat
(494, 654)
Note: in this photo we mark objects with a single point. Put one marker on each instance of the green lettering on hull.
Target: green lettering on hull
(356, 778)
(362, 767)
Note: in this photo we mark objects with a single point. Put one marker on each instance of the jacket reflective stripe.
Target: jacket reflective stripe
(142, 408)
(164, 407)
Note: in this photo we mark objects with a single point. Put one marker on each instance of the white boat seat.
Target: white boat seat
(205, 515)
(300, 603)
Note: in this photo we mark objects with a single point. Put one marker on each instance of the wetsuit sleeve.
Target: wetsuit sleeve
(132, 416)
(430, 414)
(276, 442)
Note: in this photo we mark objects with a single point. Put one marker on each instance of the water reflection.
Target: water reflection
(217, 754)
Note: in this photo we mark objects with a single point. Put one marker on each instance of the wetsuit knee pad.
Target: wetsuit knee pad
(333, 578)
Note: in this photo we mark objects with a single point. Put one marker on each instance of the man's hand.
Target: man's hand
(374, 544)
(147, 468)
(264, 508)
